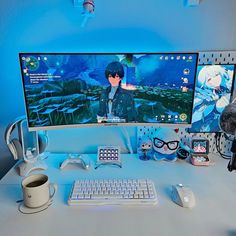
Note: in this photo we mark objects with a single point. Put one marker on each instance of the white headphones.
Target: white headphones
(15, 145)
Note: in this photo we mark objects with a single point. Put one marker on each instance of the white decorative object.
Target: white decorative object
(192, 3)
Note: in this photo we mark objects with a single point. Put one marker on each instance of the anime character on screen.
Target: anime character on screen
(213, 93)
(116, 104)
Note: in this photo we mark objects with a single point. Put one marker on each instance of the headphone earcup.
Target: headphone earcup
(16, 149)
(43, 142)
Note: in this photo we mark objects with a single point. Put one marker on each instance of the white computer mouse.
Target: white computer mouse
(183, 196)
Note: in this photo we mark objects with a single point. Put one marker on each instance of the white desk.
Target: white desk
(214, 214)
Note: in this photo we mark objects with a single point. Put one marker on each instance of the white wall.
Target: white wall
(118, 26)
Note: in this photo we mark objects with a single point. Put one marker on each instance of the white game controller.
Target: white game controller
(76, 159)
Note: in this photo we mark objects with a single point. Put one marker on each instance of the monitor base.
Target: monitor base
(26, 167)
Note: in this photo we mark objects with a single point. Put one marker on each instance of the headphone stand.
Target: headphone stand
(32, 159)
(26, 167)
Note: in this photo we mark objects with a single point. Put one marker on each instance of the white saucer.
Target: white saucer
(27, 210)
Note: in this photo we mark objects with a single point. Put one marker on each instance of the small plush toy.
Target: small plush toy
(165, 144)
(145, 149)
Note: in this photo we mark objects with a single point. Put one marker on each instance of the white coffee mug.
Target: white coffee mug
(37, 190)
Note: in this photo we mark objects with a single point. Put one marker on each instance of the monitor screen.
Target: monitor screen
(214, 86)
(73, 89)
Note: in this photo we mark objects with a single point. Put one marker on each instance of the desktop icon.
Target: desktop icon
(186, 71)
(183, 116)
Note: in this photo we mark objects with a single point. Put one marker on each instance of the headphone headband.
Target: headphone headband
(11, 127)
(17, 145)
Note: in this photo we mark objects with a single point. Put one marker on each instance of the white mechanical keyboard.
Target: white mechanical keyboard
(113, 192)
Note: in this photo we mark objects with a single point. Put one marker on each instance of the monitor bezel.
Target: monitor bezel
(231, 94)
(54, 127)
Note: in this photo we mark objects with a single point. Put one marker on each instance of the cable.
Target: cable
(229, 137)
(217, 138)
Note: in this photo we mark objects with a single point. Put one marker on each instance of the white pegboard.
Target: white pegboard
(217, 57)
(208, 57)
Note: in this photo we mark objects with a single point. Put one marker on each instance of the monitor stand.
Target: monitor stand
(127, 140)
(32, 159)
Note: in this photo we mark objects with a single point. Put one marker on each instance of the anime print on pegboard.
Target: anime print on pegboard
(214, 86)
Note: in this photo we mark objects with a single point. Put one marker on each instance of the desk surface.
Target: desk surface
(214, 214)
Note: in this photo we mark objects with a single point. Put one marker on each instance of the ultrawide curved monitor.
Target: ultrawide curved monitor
(77, 89)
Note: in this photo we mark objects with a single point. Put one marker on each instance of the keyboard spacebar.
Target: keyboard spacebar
(112, 200)
(112, 196)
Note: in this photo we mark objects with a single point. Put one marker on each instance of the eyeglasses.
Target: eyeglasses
(172, 145)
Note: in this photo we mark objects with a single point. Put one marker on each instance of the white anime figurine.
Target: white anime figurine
(165, 144)
(145, 149)
(213, 91)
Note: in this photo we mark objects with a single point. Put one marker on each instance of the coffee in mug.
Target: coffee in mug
(37, 190)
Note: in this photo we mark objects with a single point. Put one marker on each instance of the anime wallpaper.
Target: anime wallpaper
(213, 92)
(69, 89)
